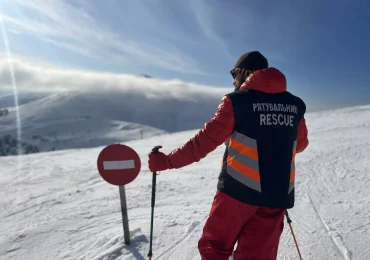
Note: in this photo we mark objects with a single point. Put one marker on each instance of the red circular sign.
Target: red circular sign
(119, 164)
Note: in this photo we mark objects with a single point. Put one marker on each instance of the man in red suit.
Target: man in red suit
(263, 127)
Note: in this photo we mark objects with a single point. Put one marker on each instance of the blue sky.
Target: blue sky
(323, 47)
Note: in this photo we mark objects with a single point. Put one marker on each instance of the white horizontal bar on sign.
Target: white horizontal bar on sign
(119, 165)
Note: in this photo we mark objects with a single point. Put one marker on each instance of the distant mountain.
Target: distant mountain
(72, 120)
(177, 109)
(120, 110)
(145, 76)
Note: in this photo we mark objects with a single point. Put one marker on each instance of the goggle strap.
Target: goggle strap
(244, 72)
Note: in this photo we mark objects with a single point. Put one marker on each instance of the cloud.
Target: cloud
(171, 35)
(35, 75)
(204, 17)
(211, 18)
(72, 27)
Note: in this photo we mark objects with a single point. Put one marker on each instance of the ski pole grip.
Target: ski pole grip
(156, 149)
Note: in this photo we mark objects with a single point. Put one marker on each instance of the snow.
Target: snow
(7, 98)
(70, 119)
(55, 205)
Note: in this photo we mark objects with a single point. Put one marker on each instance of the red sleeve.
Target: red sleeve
(302, 140)
(214, 133)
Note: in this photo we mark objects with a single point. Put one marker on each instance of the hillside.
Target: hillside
(168, 112)
(7, 98)
(72, 120)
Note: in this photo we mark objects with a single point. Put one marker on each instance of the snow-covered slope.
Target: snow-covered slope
(82, 132)
(170, 112)
(7, 98)
(74, 120)
(84, 119)
(56, 206)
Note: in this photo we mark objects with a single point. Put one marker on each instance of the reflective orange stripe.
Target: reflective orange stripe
(292, 173)
(243, 149)
(292, 176)
(243, 169)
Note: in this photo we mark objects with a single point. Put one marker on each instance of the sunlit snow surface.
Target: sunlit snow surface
(55, 205)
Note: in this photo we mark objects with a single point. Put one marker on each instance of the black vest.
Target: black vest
(258, 165)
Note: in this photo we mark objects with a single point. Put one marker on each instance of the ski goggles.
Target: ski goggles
(237, 71)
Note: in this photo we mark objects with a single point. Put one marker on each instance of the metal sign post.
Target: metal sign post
(126, 229)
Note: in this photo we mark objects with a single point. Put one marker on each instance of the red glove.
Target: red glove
(158, 161)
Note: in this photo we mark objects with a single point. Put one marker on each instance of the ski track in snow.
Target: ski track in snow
(337, 239)
(56, 206)
(174, 247)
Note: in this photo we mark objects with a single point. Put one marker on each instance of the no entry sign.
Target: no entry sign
(119, 164)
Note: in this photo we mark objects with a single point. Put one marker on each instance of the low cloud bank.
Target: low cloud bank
(171, 105)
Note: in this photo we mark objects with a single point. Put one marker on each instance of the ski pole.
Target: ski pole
(291, 229)
(154, 180)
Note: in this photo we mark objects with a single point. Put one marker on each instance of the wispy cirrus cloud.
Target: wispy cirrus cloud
(193, 40)
(206, 17)
(73, 27)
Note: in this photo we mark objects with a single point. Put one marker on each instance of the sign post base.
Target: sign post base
(126, 229)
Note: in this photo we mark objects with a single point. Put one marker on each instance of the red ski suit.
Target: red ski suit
(256, 229)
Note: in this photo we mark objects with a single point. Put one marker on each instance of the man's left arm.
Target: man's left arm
(214, 133)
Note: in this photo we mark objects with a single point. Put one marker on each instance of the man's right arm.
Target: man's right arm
(302, 140)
